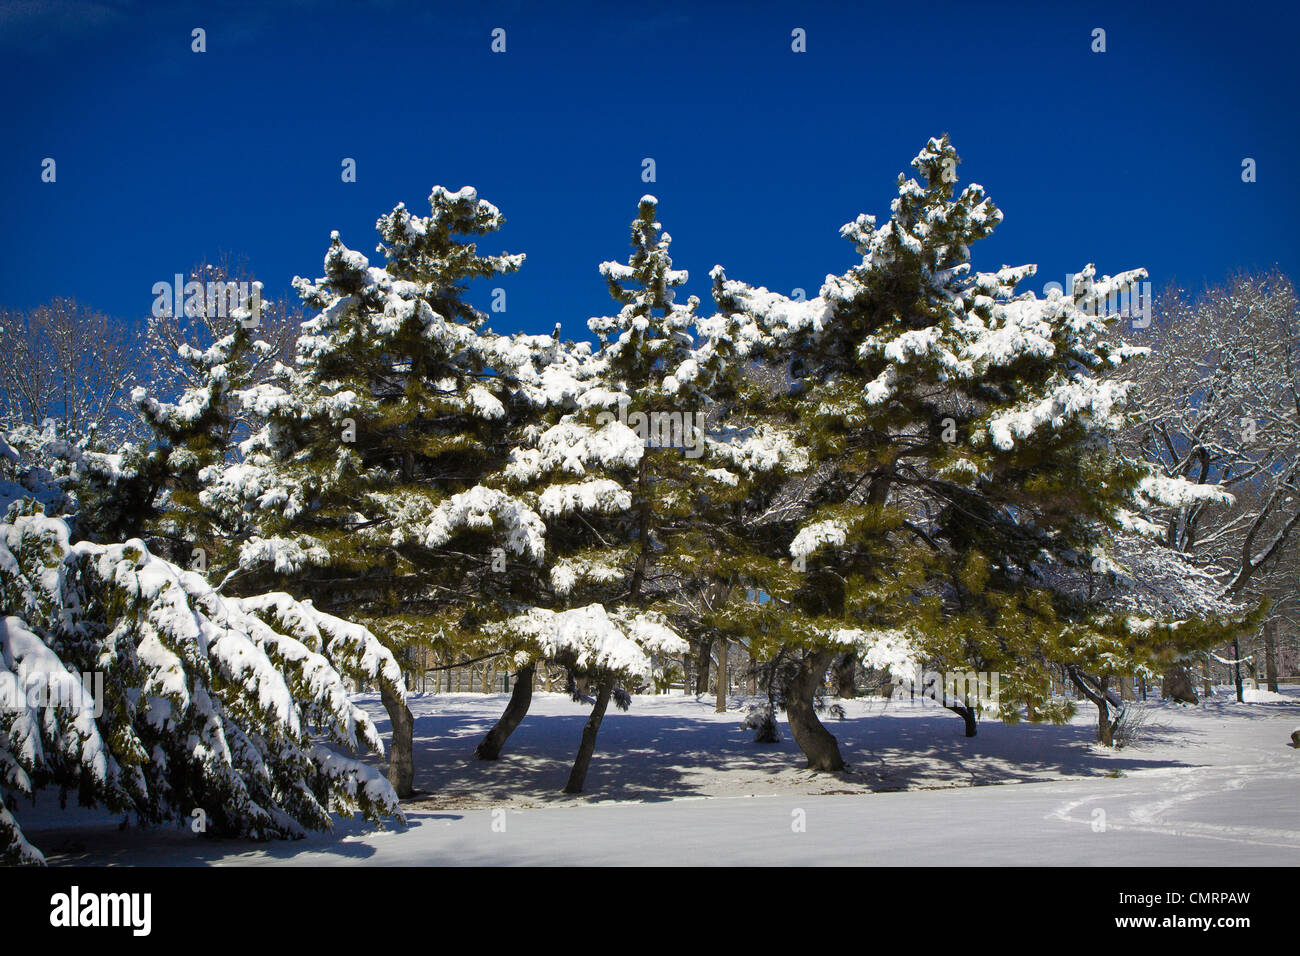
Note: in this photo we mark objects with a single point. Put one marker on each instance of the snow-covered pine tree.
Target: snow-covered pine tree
(194, 440)
(634, 485)
(600, 527)
(550, 374)
(134, 684)
(366, 479)
(959, 436)
(661, 364)
(211, 310)
(610, 653)
(121, 493)
(101, 493)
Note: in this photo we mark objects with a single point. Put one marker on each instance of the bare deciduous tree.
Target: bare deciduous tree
(68, 362)
(1218, 401)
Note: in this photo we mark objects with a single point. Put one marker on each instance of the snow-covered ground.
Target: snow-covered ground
(675, 783)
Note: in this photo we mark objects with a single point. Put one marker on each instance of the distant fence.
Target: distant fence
(491, 676)
(496, 675)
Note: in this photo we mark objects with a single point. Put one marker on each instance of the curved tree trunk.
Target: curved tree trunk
(401, 762)
(816, 742)
(520, 699)
(1101, 697)
(588, 746)
(968, 714)
(1105, 727)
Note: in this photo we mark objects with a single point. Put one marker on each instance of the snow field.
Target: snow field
(673, 782)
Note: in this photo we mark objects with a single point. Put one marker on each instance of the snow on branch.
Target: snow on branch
(226, 694)
(591, 638)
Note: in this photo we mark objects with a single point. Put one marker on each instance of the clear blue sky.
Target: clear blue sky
(165, 156)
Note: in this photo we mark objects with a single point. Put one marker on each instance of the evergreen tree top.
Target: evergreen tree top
(650, 334)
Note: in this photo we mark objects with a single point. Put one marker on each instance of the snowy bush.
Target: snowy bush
(760, 718)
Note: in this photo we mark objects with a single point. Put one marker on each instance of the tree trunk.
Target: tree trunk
(1236, 670)
(1105, 730)
(968, 715)
(1126, 688)
(846, 673)
(1101, 699)
(401, 763)
(588, 746)
(1270, 655)
(721, 706)
(703, 658)
(1176, 685)
(816, 742)
(520, 699)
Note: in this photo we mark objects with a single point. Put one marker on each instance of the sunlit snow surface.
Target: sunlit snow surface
(674, 783)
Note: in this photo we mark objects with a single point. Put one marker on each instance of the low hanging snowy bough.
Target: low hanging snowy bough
(229, 714)
(612, 649)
